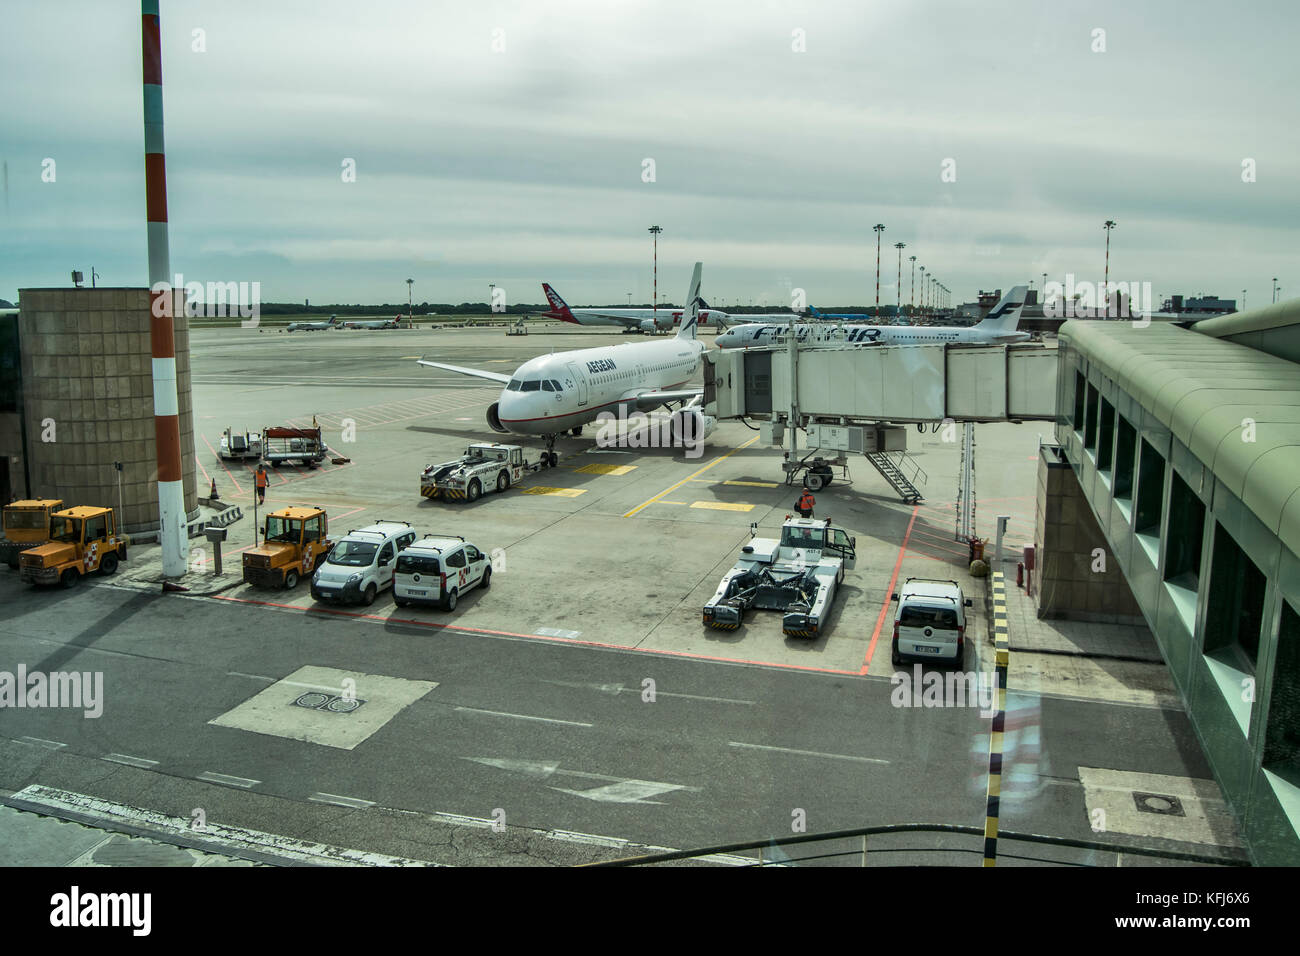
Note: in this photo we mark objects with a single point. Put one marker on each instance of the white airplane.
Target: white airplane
(372, 323)
(551, 394)
(996, 328)
(641, 320)
(311, 326)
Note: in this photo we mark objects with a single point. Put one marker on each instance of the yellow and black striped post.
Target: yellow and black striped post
(1002, 648)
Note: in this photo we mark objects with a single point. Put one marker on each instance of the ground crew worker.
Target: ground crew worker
(259, 478)
(805, 504)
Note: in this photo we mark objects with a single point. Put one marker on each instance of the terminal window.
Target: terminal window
(1282, 733)
(1090, 423)
(1183, 539)
(1080, 387)
(1151, 491)
(1235, 609)
(1125, 448)
(1106, 436)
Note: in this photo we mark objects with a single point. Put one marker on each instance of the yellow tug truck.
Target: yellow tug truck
(26, 525)
(83, 540)
(294, 541)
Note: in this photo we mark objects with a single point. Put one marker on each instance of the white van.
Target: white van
(438, 569)
(361, 565)
(931, 622)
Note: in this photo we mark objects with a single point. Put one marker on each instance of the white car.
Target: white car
(438, 569)
(361, 565)
(931, 622)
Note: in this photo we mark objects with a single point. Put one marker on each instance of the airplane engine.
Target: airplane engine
(494, 420)
(690, 426)
(648, 326)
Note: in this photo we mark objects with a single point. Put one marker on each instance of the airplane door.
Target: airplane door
(577, 383)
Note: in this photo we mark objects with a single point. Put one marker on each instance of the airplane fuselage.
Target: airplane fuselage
(553, 393)
(748, 336)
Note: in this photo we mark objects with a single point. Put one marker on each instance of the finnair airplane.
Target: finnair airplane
(996, 328)
(641, 320)
(552, 394)
(311, 326)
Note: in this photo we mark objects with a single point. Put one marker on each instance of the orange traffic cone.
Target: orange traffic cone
(213, 493)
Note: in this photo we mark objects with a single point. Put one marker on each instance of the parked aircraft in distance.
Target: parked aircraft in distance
(392, 323)
(641, 320)
(311, 326)
(996, 328)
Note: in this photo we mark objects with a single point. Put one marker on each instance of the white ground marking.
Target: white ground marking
(502, 713)
(805, 753)
(615, 789)
(130, 761)
(237, 838)
(625, 791)
(41, 742)
(338, 801)
(555, 632)
(615, 689)
(1206, 818)
(272, 710)
(268, 680)
(243, 783)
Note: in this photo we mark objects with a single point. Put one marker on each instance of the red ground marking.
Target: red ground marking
(893, 581)
(206, 476)
(223, 464)
(438, 626)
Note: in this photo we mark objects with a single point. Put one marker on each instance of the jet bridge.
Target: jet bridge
(813, 388)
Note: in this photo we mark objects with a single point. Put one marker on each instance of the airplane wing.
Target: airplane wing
(479, 373)
(627, 321)
(648, 400)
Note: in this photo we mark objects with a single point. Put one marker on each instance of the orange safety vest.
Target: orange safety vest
(260, 478)
(807, 502)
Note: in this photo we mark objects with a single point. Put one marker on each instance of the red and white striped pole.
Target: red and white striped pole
(166, 411)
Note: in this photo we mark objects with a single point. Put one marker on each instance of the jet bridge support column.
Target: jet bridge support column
(966, 485)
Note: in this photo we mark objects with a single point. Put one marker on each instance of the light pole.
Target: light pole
(878, 228)
(1243, 300)
(410, 308)
(654, 231)
(1108, 225)
(1275, 289)
(912, 305)
(629, 299)
(899, 247)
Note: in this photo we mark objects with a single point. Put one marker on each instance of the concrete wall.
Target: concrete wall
(88, 399)
(1073, 579)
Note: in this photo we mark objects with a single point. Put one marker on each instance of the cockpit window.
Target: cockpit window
(514, 386)
(547, 385)
(532, 385)
(556, 385)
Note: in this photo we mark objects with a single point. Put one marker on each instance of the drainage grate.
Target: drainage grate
(315, 700)
(1160, 803)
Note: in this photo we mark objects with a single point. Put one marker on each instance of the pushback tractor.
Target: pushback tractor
(797, 574)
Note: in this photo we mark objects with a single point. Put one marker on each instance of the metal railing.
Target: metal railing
(864, 834)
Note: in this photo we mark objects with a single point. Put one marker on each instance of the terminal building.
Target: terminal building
(1185, 445)
(76, 400)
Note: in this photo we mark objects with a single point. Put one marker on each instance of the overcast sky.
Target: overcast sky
(506, 142)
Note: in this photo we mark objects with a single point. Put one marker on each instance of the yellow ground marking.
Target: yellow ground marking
(671, 488)
(754, 484)
(670, 502)
(558, 492)
(411, 357)
(605, 469)
(722, 506)
(499, 361)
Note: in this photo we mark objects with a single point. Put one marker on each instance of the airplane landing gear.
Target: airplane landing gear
(549, 458)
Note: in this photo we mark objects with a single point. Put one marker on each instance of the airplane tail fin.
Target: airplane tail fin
(559, 309)
(1005, 316)
(814, 313)
(691, 314)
